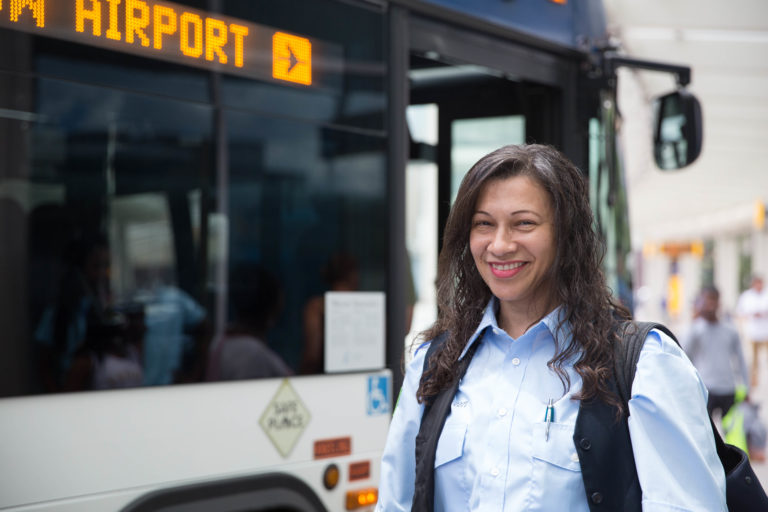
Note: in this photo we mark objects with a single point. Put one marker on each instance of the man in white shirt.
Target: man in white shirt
(753, 309)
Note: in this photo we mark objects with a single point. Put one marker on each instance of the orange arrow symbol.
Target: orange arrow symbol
(291, 58)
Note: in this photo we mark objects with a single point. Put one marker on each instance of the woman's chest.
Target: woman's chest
(497, 448)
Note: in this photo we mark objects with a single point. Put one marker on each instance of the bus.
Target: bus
(219, 220)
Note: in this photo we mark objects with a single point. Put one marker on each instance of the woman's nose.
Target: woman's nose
(503, 242)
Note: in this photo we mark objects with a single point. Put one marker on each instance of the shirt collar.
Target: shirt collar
(551, 322)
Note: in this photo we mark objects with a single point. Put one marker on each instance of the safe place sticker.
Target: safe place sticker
(285, 419)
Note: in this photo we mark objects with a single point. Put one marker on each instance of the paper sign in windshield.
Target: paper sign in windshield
(354, 331)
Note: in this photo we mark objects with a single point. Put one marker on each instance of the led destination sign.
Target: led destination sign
(175, 33)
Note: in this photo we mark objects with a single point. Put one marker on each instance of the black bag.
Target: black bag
(743, 491)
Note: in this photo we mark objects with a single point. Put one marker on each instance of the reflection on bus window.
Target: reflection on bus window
(256, 300)
(135, 213)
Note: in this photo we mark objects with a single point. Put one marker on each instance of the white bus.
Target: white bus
(206, 274)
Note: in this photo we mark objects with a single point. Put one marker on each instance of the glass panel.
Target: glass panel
(307, 208)
(354, 95)
(155, 210)
(421, 221)
(474, 138)
(68, 61)
(608, 197)
(102, 183)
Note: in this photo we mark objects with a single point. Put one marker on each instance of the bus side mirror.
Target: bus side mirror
(677, 133)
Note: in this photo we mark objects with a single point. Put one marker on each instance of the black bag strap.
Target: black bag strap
(436, 410)
(632, 336)
(743, 489)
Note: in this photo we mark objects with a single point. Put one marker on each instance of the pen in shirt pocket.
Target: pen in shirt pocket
(549, 417)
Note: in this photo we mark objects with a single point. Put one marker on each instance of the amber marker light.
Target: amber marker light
(331, 476)
(362, 498)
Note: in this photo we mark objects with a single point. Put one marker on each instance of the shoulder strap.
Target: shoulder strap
(627, 352)
(433, 346)
(436, 410)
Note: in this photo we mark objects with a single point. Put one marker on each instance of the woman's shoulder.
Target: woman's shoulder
(419, 351)
(660, 355)
(658, 341)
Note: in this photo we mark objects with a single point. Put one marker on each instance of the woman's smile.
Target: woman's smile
(506, 270)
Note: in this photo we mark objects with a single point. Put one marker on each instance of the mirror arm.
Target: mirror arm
(612, 61)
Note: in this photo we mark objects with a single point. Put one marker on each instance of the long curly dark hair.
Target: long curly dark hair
(578, 283)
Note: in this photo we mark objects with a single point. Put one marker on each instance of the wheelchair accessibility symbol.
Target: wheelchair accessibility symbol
(378, 395)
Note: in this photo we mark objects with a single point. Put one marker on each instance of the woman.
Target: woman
(522, 294)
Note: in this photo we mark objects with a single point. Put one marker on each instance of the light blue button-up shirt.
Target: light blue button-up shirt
(494, 455)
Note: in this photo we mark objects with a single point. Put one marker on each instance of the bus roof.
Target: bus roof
(567, 23)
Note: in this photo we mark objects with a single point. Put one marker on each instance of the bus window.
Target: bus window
(160, 210)
(115, 235)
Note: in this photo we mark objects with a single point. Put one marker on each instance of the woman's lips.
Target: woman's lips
(506, 269)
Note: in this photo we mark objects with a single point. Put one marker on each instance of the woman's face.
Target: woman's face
(512, 239)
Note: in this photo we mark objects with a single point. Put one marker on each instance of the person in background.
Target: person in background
(242, 352)
(715, 350)
(753, 309)
(535, 423)
(176, 323)
(83, 294)
(341, 274)
(110, 357)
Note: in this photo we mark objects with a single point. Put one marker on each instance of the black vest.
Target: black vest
(603, 444)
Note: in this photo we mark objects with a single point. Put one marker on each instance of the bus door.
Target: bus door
(469, 94)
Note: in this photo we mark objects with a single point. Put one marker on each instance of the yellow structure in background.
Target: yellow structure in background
(674, 295)
(758, 220)
(675, 285)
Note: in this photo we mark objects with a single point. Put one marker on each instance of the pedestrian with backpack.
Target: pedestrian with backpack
(514, 402)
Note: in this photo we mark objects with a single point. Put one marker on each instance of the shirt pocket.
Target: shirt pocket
(557, 449)
(450, 446)
(451, 488)
(556, 472)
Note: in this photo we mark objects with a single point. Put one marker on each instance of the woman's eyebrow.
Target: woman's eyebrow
(516, 212)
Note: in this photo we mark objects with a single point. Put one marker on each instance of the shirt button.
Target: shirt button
(516, 361)
(502, 412)
(495, 472)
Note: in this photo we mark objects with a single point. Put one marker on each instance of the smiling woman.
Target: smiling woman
(514, 405)
(512, 242)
